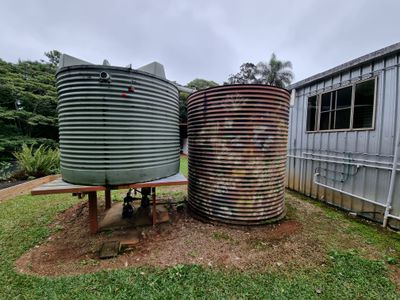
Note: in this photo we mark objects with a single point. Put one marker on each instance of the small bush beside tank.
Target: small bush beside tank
(37, 162)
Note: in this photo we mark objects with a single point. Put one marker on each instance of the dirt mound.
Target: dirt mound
(71, 249)
(301, 240)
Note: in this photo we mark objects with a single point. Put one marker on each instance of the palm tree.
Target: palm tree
(275, 72)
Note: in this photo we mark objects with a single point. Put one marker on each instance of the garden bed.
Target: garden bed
(9, 183)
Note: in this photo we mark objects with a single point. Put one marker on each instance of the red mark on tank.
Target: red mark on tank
(124, 95)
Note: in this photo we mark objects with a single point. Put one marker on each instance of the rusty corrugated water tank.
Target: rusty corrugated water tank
(237, 153)
(117, 125)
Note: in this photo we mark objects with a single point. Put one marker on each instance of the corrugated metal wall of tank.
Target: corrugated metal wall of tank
(122, 131)
(377, 144)
(237, 153)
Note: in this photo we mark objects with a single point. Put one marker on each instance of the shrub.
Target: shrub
(40, 162)
(5, 170)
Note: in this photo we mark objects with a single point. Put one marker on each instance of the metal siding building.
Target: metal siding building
(357, 162)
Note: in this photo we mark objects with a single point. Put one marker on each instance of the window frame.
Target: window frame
(316, 113)
(353, 92)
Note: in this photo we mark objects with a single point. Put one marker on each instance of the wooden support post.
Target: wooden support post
(93, 223)
(153, 194)
(107, 196)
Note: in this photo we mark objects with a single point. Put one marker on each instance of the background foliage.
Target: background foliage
(274, 72)
(195, 84)
(28, 102)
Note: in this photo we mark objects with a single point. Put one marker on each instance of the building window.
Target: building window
(336, 109)
(364, 104)
(312, 109)
(347, 108)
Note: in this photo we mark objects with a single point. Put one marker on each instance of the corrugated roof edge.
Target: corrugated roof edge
(350, 64)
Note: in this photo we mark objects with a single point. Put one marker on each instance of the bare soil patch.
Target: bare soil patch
(301, 240)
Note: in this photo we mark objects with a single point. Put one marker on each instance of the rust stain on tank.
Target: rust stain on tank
(237, 153)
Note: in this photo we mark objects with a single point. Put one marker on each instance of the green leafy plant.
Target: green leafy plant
(391, 260)
(5, 170)
(40, 162)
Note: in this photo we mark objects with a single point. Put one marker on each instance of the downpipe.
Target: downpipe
(392, 180)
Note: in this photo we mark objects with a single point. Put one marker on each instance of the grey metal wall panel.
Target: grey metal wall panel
(374, 145)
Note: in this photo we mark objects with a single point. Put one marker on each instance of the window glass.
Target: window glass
(342, 119)
(343, 99)
(364, 104)
(311, 113)
(326, 102)
(333, 101)
(332, 118)
(324, 121)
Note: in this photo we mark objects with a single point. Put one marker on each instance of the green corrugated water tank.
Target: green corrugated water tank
(117, 125)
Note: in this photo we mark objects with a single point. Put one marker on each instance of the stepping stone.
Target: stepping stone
(109, 249)
(130, 241)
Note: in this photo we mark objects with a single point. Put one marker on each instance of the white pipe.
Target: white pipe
(301, 175)
(392, 179)
(394, 217)
(344, 192)
(292, 97)
(348, 158)
(391, 186)
(341, 162)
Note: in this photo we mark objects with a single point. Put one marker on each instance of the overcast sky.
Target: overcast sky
(200, 39)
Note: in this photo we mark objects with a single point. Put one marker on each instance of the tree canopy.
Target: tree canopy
(199, 84)
(28, 101)
(274, 72)
(54, 57)
(196, 84)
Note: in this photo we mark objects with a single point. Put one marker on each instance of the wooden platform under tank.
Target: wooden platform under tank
(59, 186)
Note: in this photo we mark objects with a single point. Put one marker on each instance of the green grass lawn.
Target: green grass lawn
(184, 165)
(24, 223)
